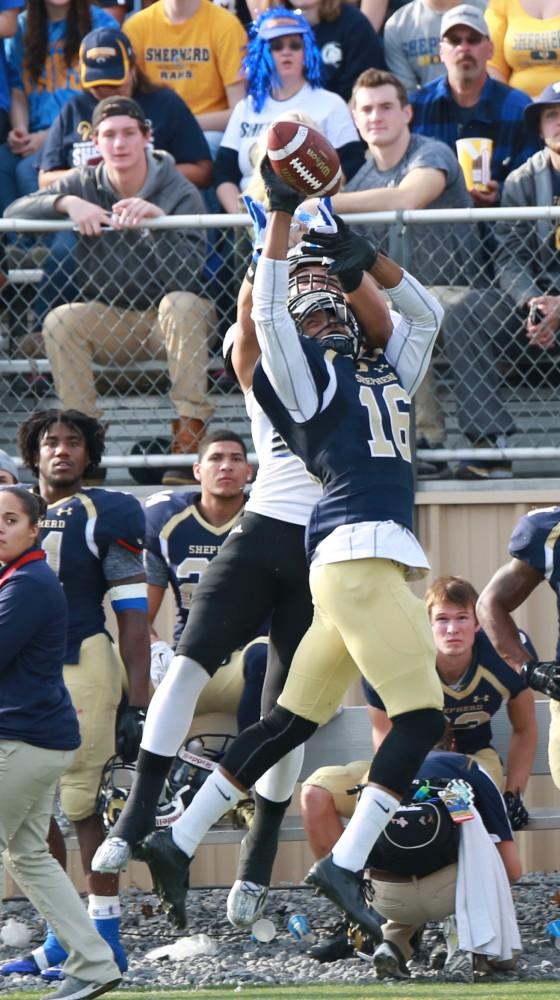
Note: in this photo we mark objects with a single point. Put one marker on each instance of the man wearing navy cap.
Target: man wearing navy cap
(108, 68)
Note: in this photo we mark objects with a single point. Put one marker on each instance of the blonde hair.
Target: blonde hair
(329, 10)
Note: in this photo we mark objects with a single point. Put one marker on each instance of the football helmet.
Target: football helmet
(188, 772)
(114, 789)
(311, 288)
(194, 762)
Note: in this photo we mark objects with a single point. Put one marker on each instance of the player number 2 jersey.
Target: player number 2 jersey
(179, 546)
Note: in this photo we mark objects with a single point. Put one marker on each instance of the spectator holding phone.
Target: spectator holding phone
(527, 258)
(524, 311)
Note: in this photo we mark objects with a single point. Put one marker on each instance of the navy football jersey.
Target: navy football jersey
(486, 685)
(178, 535)
(357, 443)
(76, 534)
(535, 540)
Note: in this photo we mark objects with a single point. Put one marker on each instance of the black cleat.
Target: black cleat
(169, 867)
(346, 890)
(334, 948)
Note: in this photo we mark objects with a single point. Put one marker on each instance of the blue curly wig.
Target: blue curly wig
(258, 64)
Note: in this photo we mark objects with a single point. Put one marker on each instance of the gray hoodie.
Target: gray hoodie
(132, 268)
(526, 258)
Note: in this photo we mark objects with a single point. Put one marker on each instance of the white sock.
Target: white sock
(103, 907)
(371, 815)
(278, 783)
(172, 707)
(215, 798)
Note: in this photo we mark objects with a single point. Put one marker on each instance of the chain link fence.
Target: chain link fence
(130, 329)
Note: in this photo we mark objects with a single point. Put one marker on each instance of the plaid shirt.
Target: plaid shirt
(499, 116)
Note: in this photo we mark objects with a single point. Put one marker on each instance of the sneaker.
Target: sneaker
(112, 856)
(483, 470)
(181, 475)
(459, 966)
(345, 889)
(76, 989)
(169, 867)
(334, 948)
(430, 468)
(20, 967)
(245, 903)
(389, 963)
(53, 974)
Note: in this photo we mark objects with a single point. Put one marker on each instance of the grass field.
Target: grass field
(324, 991)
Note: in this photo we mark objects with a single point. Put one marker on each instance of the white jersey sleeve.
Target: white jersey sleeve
(415, 328)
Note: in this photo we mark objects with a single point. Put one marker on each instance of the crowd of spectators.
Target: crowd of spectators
(394, 87)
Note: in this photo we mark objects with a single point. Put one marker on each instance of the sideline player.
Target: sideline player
(184, 532)
(476, 682)
(262, 569)
(535, 550)
(347, 417)
(93, 539)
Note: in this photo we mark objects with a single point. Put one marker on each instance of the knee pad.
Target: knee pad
(404, 748)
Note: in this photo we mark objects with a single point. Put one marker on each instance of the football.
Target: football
(303, 158)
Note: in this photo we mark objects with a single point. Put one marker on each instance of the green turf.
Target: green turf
(324, 991)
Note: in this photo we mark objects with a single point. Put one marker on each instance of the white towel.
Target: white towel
(486, 922)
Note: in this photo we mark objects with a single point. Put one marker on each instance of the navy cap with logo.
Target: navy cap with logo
(106, 56)
(109, 107)
(532, 113)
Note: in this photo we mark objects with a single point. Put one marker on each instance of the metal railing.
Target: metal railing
(140, 356)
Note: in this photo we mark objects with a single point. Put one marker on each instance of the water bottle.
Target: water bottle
(299, 928)
(553, 931)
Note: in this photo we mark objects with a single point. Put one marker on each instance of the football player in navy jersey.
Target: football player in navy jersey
(346, 416)
(93, 539)
(476, 682)
(184, 532)
(535, 550)
(261, 570)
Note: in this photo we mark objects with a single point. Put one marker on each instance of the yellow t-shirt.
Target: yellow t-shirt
(197, 58)
(526, 48)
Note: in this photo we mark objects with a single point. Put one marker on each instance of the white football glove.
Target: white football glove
(161, 655)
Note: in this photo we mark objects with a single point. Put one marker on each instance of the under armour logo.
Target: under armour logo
(63, 510)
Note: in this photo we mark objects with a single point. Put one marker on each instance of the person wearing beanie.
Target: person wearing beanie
(8, 469)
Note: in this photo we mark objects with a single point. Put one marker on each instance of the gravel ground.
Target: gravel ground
(239, 960)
